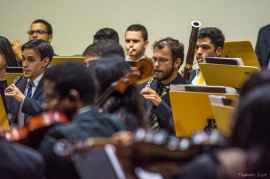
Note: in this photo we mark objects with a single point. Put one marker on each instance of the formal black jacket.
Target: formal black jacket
(163, 110)
(20, 162)
(31, 106)
(263, 46)
(90, 123)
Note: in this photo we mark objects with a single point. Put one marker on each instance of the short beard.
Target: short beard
(166, 75)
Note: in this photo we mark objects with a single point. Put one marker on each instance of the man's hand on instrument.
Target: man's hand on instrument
(151, 95)
(13, 91)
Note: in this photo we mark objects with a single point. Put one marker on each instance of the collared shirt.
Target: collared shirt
(144, 56)
(34, 87)
(84, 109)
(198, 79)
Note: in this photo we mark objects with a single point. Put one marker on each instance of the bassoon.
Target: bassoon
(191, 49)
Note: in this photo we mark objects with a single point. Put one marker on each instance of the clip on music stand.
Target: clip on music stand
(222, 114)
(191, 110)
(226, 75)
(241, 49)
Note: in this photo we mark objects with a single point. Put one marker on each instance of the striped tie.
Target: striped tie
(162, 91)
(29, 94)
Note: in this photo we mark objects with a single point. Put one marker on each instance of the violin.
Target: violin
(32, 133)
(146, 69)
(141, 73)
(157, 151)
(158, 141)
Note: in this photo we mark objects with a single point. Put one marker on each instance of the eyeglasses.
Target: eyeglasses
(40, 32)
(159, 60)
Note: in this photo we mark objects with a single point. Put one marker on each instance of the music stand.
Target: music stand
(241, 49)
(191, 110)
(224, 61)
(62, 59)
(226, 75)
(3, 110)
(222, 114)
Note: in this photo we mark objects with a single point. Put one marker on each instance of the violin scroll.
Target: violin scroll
(146, 68)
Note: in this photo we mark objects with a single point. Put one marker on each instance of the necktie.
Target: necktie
(29, 94)
(162, 91)
(30, 86)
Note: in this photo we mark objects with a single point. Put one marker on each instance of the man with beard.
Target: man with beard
(168, 56)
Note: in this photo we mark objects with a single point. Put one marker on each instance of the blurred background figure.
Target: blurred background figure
(7, 59)
(106, 33)
(262, 48)
(39, 29)
(128, 106)
(102, 48)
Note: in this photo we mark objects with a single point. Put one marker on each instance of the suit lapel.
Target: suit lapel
(149, 103)
(39, 89)
(21, 85)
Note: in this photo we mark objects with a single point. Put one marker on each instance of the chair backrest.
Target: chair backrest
(11, 77)
(99, 163)
(4, 124)
(61, 59)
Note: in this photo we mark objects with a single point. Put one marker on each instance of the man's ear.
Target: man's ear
(177, 63)
(218, 51)
(146, 43)
(46, 62)
(50, 38)
(73, 95)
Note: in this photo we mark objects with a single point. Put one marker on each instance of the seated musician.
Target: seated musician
(102, 48)
(26, 96)
(210, 42)
(20, 162)
(39, 29)
(246, 153)
(128, 106)
(105, 34)
(168, 56)
(136, 42)
(72, 92)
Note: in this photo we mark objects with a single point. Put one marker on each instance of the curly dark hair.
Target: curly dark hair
(214, 34)
(176, 47)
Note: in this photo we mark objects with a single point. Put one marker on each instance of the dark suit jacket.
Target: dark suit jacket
(31, 106)
(20, 162)
(91, 123)
(263, 46)
(163, 110)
